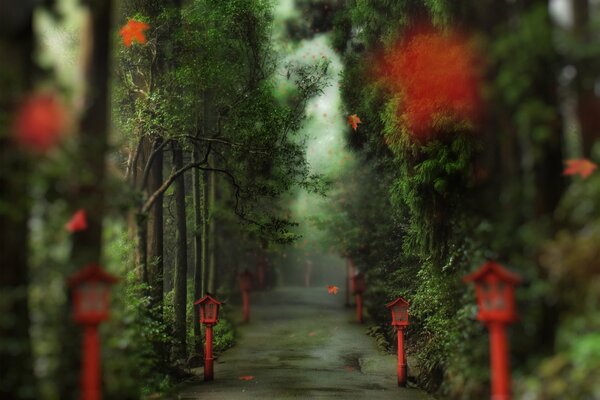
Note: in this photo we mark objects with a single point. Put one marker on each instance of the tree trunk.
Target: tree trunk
(181, 259)
(204, 232)
(198, 191)
(16, 366)
(89, 192)
(588, 103)
(155, 236)
(212, 232)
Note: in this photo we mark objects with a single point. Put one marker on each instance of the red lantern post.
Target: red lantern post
(209, 316)
(91, 297)
(495, 291)
(261, 268)
(245, 281)
(349, 275)
(399, 309)
(359, 286)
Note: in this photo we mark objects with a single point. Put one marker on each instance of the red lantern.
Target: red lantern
(358, 283)
(209, 316)
(91, 298)
(495, 290)
(245, 281)
(209, 310)
(359, 286)
(399, 310)
(91, 294)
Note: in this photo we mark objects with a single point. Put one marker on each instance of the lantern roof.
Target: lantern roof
(398, 300)
(493, 268)
(91, 273)
(206, 298)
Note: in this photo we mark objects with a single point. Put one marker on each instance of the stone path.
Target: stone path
(301, 344)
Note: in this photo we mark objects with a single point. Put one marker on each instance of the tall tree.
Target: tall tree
(16, 78)
(89, 191)
(181, 257)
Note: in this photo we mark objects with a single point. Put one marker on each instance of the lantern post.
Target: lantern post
(349, 274)
(399, 310)
(358, 287)
(495, 292)
(261, 268)
(209, 316)
(90, 287)
(245, 281)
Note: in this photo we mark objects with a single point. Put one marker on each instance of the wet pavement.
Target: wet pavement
(301, 344)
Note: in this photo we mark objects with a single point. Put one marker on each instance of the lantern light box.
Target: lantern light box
(91, 294)
(495, 291)
(399, 310)
(209, 310)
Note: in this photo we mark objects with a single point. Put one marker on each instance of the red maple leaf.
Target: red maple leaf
(437, 76)
(353, 120)
(78, 222)
(40, 122)
(332, 289)
(133, 31)
(246, 377)
(582, 166)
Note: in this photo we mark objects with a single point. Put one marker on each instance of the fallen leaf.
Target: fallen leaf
(313, 333)
(246, 377)
(133, 31)
(582, 166)
(332, 289)
(40, 122)
(78, 222)
(349, 368)
(353, 120)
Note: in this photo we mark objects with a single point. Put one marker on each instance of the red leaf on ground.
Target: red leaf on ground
(133, 31)
(246, 377)
(40, 122)
(582, 166)
(349, 368)
(332, 289)
(353, 120)
(78, 222)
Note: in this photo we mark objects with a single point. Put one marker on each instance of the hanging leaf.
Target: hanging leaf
(582, 167)
(332, 289)
(78, 222)
(353, 120)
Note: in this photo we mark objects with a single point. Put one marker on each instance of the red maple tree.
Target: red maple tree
(437, 76)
